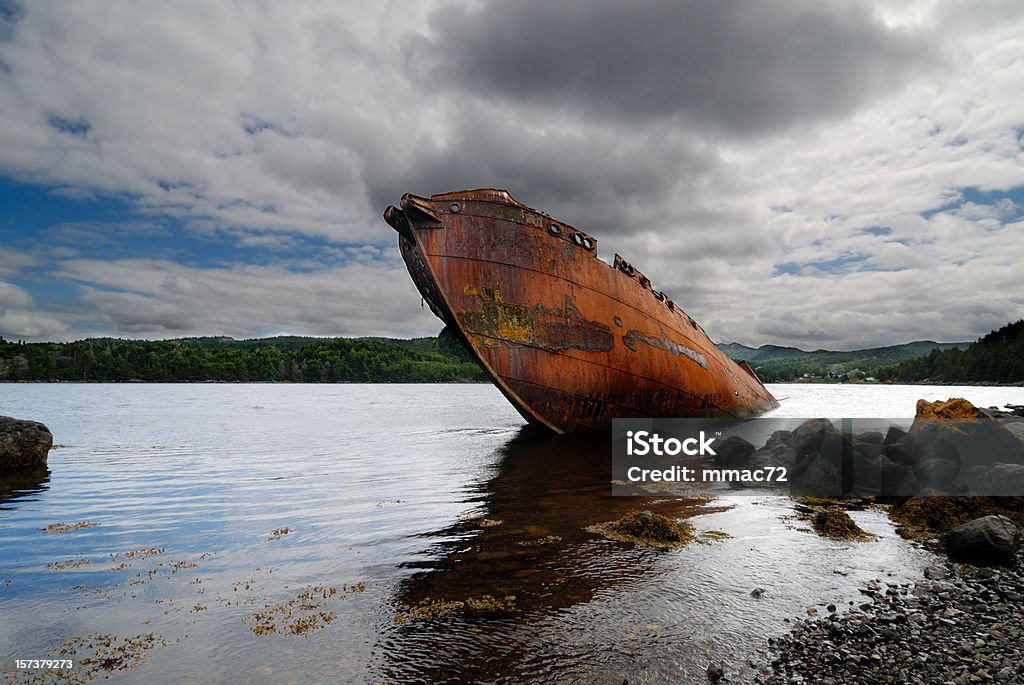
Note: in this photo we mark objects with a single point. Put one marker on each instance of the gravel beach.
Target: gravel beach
(959, 624)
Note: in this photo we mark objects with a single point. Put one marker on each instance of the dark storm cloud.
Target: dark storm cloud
(746, 67)
(575, 173)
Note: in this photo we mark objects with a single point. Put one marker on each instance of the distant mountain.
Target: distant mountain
(776, 363)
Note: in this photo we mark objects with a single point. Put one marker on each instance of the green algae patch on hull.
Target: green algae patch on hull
(647, 529)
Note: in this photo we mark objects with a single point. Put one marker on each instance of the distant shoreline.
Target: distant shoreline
(971, 384)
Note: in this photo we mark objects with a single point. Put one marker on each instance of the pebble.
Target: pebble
(959, 624)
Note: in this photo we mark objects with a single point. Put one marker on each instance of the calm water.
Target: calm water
(391, 494)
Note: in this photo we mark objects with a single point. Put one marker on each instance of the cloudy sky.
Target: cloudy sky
(819, 174)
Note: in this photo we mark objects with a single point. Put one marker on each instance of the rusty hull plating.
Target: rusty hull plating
(571, 341)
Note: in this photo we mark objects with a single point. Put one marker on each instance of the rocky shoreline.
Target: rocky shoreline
(960, 624)
(963, 622)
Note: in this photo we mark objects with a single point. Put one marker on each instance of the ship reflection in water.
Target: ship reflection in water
(528, 542)
(592, 610)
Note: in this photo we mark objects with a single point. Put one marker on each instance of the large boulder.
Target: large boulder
(950, 440)
(24, 445)
(820, 452)
(986, 540)
(819, 437)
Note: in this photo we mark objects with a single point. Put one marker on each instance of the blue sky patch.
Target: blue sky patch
(972, 195)
(877, 230)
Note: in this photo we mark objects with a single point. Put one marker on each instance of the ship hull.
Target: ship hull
(570, 340)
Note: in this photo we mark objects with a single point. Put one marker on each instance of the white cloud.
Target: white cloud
(160, 299)
(19, 318)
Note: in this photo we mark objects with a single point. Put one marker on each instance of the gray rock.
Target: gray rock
(1015, 428)
(896, 480)
(777, 451)
(1006, 479)
(822, 438)
(894, 435)
(985, 540)
(899, 453)
(869, 450)
(24, 445)
(732, 452)
(969, 442)
(871, 437)
(816, 476)
(936, 472)
(866, 476)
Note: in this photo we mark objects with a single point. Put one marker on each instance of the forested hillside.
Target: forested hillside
(996, 358)
(283, 359)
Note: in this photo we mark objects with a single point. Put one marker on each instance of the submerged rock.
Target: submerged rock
(986, 540)
(715, 673)
(24, 445)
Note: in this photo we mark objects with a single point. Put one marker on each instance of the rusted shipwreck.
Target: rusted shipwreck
(570, 340)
